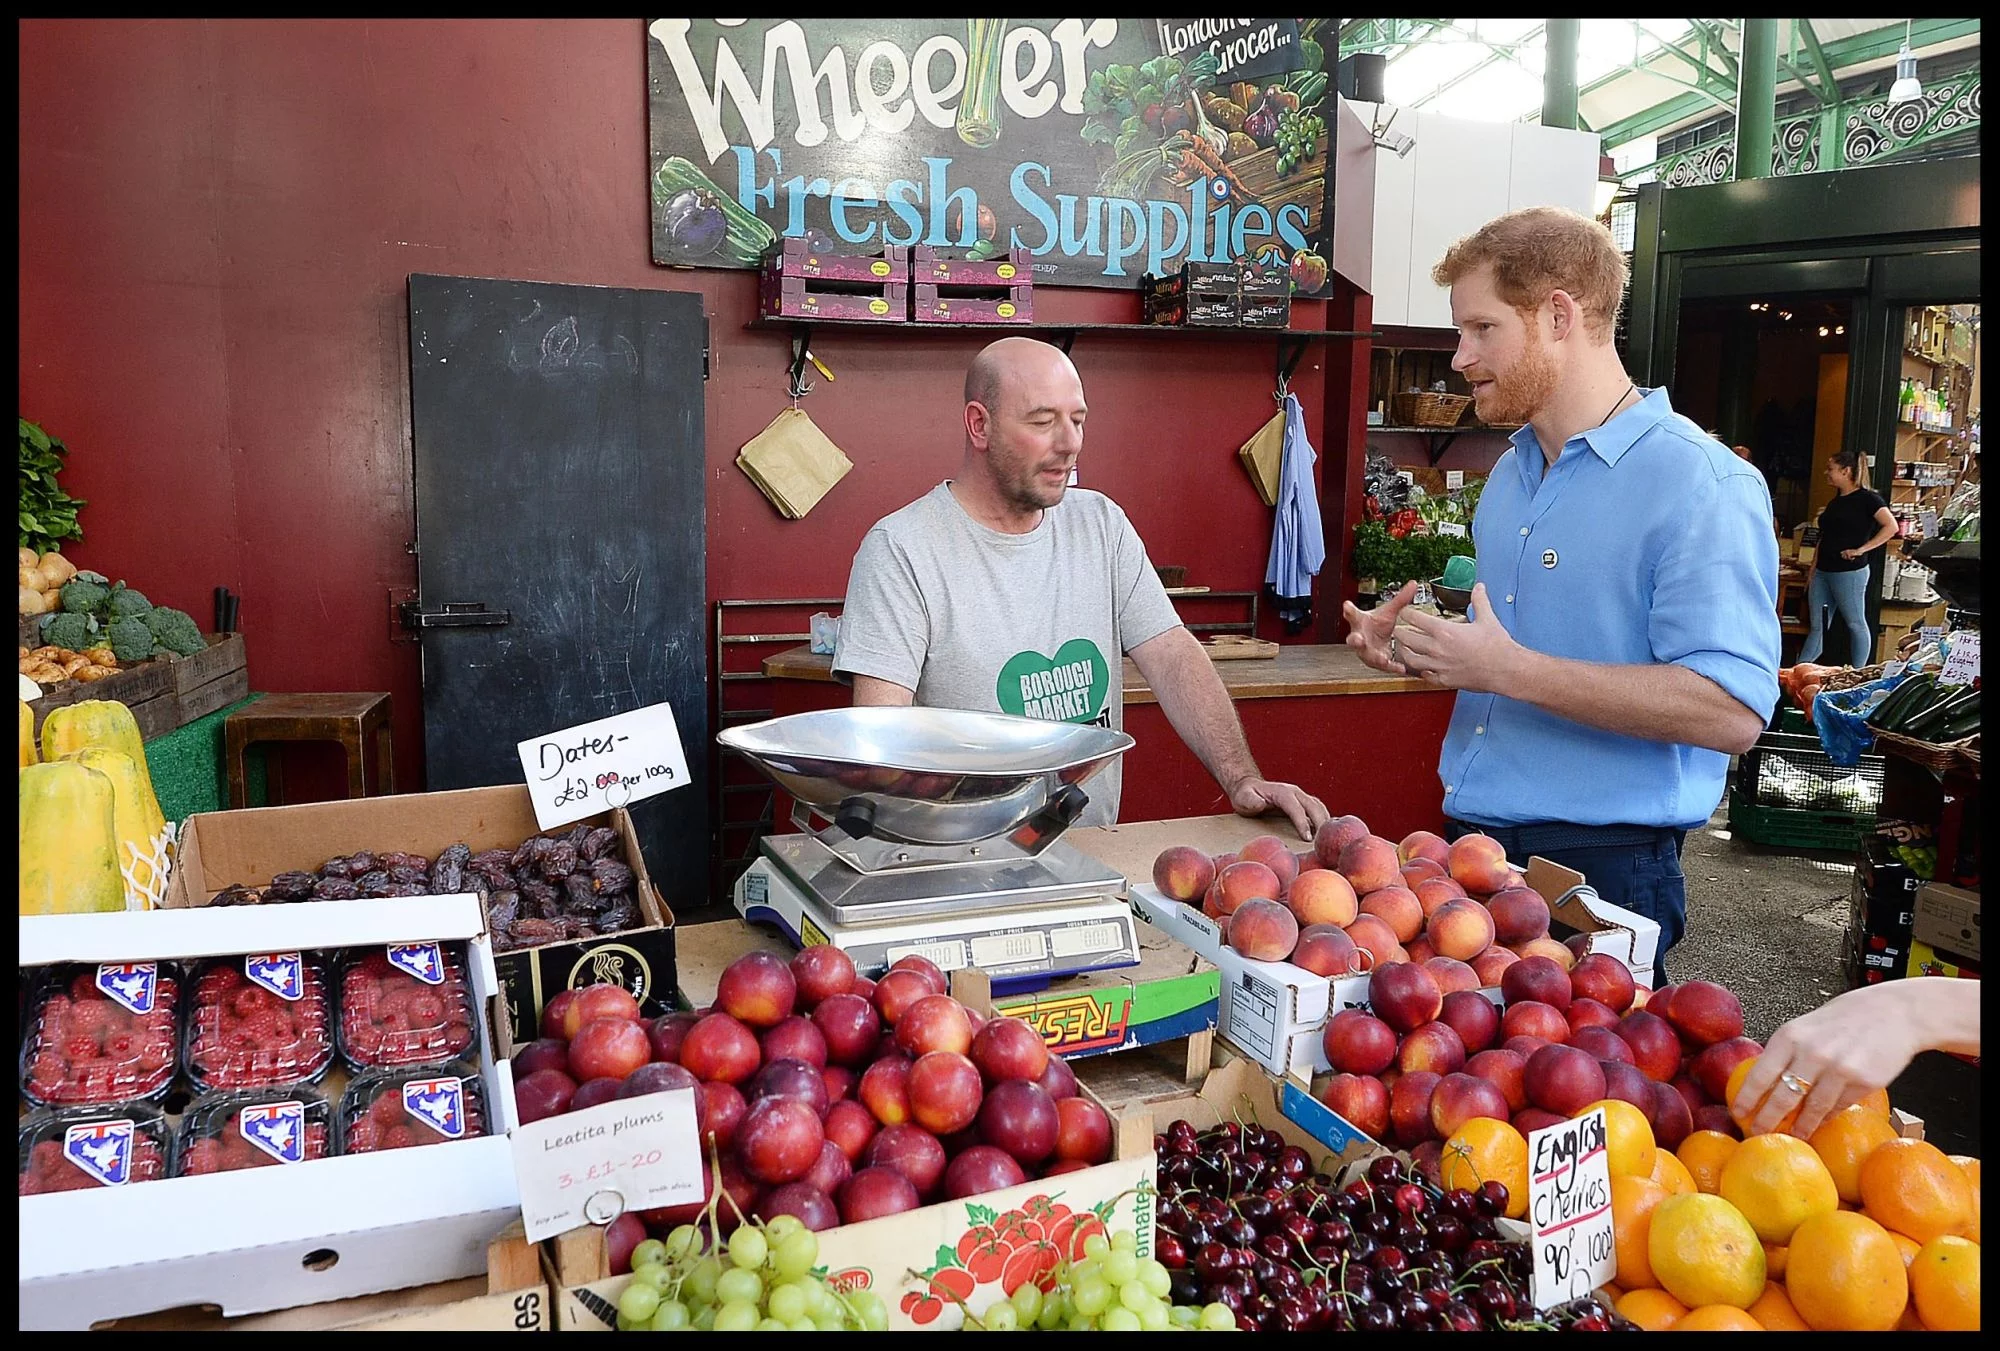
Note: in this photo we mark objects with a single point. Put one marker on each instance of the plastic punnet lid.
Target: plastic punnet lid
(258, 1021)
(412, 1105)
(70, 1149)
(98, 1035)
(223, 1131)
(405, 1004)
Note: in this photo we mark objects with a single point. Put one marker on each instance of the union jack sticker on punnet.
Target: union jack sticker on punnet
(102, 1149)
(131, 984)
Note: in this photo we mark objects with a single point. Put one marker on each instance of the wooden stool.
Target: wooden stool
(345, 718)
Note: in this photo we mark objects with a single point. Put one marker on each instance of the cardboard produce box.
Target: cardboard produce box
(1273, 1011)
(250, 847)
(258, 1239)
(1947, 918)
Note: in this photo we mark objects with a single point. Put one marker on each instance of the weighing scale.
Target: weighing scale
(941, 841)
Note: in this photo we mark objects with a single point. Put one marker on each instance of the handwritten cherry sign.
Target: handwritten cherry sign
(1569, 1210)
(596, 766)
(592, 1166)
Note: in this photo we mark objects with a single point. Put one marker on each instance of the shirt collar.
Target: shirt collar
(1610, 440)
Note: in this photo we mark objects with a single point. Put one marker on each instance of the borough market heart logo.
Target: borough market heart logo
(1069, 688)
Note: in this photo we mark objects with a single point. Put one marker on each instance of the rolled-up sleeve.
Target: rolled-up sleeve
(884, 625)
(1715, 593)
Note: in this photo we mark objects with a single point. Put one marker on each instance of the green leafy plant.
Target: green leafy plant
(1392, 562)
(48, 514)
(1136, 110)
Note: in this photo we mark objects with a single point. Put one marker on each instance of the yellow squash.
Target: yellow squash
(28, 756)
(144, 855)
(104, 724)
(69, 841)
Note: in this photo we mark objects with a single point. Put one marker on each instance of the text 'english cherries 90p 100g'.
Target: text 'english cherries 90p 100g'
(1245, 1221)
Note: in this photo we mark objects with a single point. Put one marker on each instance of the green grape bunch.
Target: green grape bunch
(1112, 1289)
(1299, 131)
(764, 1279)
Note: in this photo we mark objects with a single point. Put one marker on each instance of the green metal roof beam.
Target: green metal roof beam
(1706, 76)
(1846, 52)
(1716, 47)
(1829, 88)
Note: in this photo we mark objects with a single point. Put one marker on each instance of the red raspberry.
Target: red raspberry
(241, 1038)
(388, 1109)
(204, 1156)
(269, 1028)
(426, 1010)
(90, 1015)
(121, 1046)
(80, 1047)
(84, 986)
(251, 999)
(457, 1036)
(363, 1136)
(396, 1022)
(399, 1137)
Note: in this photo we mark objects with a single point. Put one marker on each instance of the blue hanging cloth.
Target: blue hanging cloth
(1298, 541)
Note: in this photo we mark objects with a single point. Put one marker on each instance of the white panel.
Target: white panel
(1461, 183)
(1395, 182)
(1553, 166)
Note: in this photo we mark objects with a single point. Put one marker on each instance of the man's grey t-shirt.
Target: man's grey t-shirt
(1035, 625)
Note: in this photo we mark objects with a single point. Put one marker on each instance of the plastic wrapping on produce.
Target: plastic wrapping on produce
(405, 1004)
(225, 1131)
(75, 1148)
(410, 1107)
(97, 1035)
(258, 1021)
(1840, 717)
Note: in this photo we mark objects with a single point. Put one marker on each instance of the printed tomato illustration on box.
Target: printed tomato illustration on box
(1006, 1251)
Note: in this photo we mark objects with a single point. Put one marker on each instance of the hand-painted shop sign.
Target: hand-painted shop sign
(1100, 148)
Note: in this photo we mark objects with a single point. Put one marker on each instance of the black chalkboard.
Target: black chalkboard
(559, 479)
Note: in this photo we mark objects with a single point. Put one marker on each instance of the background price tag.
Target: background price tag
(1454, 479)
(1569, 1210)
(1407, 475)
(596, 766)
(1451, 528)
(592, 1166)
(1962, 666)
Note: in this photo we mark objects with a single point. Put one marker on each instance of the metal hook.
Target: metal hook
(796, 384)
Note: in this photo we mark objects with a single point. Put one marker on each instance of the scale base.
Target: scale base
(1018, 945)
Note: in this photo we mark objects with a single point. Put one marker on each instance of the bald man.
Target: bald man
(1003, 590)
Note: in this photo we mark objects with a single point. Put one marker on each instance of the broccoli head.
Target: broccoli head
(131, 640)
(126, 603)
(83, 597)
(76, 632)
(173, 631)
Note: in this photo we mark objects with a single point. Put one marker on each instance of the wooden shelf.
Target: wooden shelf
(1002, 330)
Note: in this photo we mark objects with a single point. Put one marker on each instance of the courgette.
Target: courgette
(747, 236)
(1939, 712)
(1903, 701)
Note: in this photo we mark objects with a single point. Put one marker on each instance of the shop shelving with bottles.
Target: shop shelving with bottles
(1936, 443)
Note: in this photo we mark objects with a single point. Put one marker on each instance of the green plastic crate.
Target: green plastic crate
(1792, 721)
(1795, 828)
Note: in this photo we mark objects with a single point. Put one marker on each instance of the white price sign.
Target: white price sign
(1454, 479)
(1929, 633)
(1451, 529)
(1407, 475)
(1927, 523)
(1961, 667)
(592, 1166)
(596, 766)
(1569, 1210)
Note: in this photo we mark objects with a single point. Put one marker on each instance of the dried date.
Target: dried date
(448, 873)
(490, 858)
(597, 842)
(237, 895)
(533, 931)
(407, 889)
(502, 909)
(336, 889)
(498, 878)
(406, 874)
(530, 852)
(576, 837)
(336, 867)
(363, 861)
(292, 886)
(609, 875)
(374, 883)
(618, 918)
(542, 896)
(398, 859)
(579, 896)
(558, 860)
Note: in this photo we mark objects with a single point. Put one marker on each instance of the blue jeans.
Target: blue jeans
(1846, 594)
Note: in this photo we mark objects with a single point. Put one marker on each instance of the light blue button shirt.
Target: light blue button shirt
(1646, 541)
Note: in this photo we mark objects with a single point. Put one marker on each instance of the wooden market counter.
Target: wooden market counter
(1364, 742)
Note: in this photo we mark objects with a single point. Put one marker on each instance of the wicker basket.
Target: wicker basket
(1428, 409)
(1930, 754)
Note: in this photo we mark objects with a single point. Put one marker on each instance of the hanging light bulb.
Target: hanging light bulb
(1907, 88)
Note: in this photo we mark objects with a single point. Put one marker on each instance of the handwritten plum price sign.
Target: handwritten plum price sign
(596, 766)
(1569, 1210)
(592, 1166)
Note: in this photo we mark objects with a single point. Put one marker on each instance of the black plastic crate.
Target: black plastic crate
(1794, 772)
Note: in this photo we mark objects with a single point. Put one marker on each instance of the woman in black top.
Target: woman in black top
(1853, 523)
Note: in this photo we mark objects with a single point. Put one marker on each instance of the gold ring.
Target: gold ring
(1395, 654)
(1796, 1084)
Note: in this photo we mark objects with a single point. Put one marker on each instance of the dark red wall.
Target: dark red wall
(217, 224)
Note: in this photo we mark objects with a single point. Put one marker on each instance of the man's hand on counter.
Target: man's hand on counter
(1256, 797)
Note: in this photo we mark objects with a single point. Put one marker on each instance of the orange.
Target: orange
(1703, 1251)
(1628, 1138)
(1610, 1293)
(1877, 1102)
(1717, 1318)
(1776, 1256)
(1774, 1312)
(1907, 1246)
(1944, 1284)
(1703, 1153)
(1843, 1140)
(1845, 1274)
(1777, 1181)
(1672, 1174)
(1909, 1322)
(1632, 1202)
(1486, 1150)
(1911, 1187)
(1652, 1310)
(1736, 1078)
(1970, 1167)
